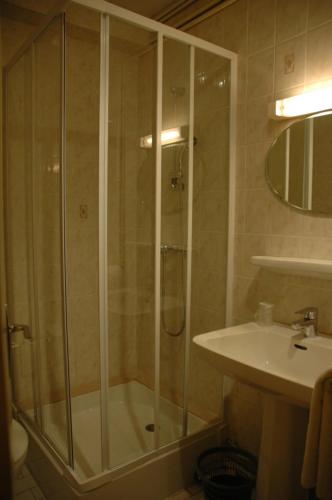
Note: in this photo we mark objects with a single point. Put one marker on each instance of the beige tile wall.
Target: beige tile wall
(43, 205)
(13, 34)
(82, 153)
(17, 270)
(17, 28)
(126, 206)
(173, 222)
(46, 211)
(210, 215)
(145, 190)
(82, 171)
(264, 32)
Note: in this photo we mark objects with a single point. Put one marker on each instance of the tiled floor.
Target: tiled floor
(184, 495)
(192, 493)
(25, 487)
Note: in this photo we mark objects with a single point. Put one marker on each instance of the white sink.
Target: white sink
(267, 357)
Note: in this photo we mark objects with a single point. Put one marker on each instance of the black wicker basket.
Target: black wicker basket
(227, 473)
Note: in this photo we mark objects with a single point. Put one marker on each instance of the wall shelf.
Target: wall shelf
(316, 268)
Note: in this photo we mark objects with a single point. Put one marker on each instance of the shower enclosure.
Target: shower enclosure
(119, 153)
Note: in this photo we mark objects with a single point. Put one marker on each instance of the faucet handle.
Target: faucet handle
(310, 312)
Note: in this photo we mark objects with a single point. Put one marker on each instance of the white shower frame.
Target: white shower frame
(162, 31)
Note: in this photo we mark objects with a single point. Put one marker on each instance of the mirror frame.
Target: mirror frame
(266, 168)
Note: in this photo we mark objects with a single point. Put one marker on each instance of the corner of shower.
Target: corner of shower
(126, 181)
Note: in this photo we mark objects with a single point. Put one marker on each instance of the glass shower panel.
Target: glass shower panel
(18, 225)
(174, 214)
(82, 231)
(210, 222)
(47, 231)
(56, 229)
(131, 220)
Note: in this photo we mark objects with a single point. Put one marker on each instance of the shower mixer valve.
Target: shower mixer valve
(177, 184)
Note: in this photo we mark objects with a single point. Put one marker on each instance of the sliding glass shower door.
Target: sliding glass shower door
(35, 238)
(48, 237)
(131, 240)
(20, 304)
(174, 234)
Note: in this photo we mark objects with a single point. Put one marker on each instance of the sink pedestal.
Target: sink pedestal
(281, 451)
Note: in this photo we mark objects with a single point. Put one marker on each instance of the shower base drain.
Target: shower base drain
(149, 427)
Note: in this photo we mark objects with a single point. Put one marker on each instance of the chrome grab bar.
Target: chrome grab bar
(164, 247)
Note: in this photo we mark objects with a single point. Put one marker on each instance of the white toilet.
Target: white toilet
(19, 442)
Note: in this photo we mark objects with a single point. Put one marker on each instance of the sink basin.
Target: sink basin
(275, 358)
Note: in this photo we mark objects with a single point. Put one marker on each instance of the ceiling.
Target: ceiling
(176, 13)
(172, 12)
(30, 10)
(148, 8)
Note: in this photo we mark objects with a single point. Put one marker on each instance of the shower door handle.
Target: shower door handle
(20, 328)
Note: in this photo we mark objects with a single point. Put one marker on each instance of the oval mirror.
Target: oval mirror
(299, 164)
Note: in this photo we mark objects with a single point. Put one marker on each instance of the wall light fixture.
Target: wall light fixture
(168, 136)
(313, 101)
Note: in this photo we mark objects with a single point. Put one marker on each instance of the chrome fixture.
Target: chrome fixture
(177, 178)
(165, 249)
(176, 184)
(309, 324)
(201, 77)
(20, 328)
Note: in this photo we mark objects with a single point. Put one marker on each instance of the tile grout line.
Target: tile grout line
(306, 44)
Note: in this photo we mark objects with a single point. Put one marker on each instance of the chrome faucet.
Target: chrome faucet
(309, 323)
